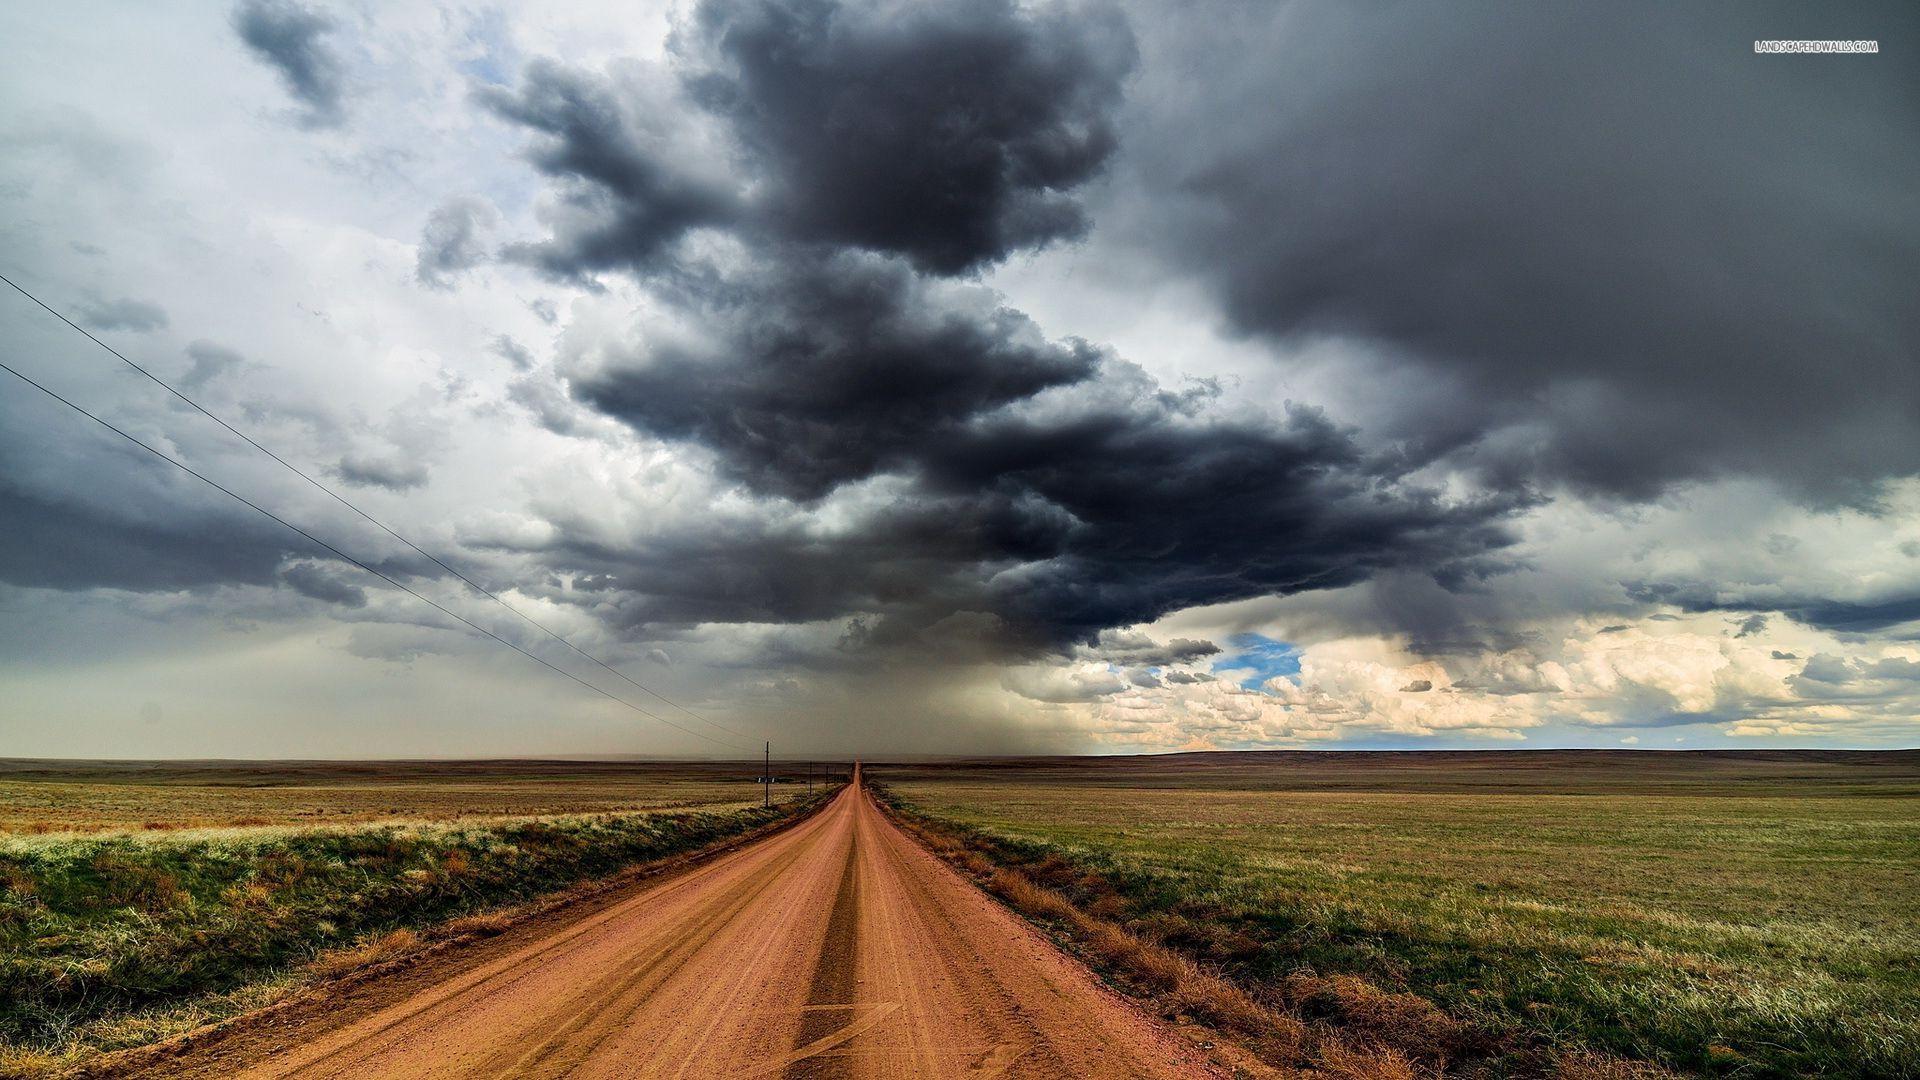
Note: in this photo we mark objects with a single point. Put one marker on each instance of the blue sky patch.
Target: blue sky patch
(1265, 657)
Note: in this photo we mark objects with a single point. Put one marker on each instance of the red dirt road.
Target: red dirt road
(837, 948)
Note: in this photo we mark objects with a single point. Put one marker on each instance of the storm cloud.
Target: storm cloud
(1098, 504)
(1643, 253)
(292, 39)
(1027, 493)
(631, 178)
(970, 375)
(140, 544)
(809, 373)
(951, 134)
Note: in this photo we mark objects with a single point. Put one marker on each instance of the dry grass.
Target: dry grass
(38, 798)
(485, 924)
(391, 945)
(1345, 1062)
(1722, 915)
(118, 939)
(1360, 1032)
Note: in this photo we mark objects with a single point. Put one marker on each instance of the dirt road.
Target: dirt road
(836, 948)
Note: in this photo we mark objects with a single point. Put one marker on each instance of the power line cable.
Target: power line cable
(270, 515)
(337, 497)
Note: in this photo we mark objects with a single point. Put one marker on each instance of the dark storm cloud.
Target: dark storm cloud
(951, 134)
(1824, 613)
(70, 543)
(453, 241)
(292, 40)
(136, 316)
(309, 579)
(948, 133)
(990, 491)
(626, 191)
(1164, 511)
(1851, 616)
(816, 372)
(1649, 253)
(1048, 523)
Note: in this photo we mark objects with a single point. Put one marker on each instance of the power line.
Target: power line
(337, 497)
(270, 515)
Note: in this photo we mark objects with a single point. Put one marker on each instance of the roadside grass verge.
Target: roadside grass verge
(1340, 1027)
(114, 941)
(1356, 959)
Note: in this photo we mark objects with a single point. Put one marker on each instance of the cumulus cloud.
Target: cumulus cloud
(292, 39)
(453, 240)
(1134, 647)
(513, 352)
(315, 581)
(135, 316)
(210, 362)
(393, 472)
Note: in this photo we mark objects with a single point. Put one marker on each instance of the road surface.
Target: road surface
(836, 948)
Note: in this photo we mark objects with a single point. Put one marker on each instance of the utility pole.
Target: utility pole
(809, 777)
(766, 777)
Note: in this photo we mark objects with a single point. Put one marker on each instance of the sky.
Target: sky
(958, 377)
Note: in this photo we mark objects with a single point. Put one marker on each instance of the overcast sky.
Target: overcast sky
(877, 377)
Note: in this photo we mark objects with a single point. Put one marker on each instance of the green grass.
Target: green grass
(116, 939)
(1765, 923)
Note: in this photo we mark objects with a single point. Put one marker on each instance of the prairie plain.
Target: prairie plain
(80, 796)
(1700, 913)
(141, 900)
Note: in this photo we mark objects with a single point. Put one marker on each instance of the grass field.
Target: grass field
(1753, 915)
(43, 796)
(140, 901)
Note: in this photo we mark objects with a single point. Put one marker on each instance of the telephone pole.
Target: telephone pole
(766, 777)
